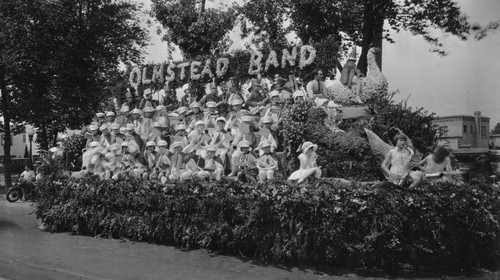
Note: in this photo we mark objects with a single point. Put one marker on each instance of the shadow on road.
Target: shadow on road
(8, 224)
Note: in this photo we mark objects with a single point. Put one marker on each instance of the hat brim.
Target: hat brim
(314, 146)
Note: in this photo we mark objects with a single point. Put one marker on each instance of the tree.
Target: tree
(75, 49)
(13, 22)
(361, 22)
(197, 31)
(56, 59)
(496, 129)
(265, 22)
(388, 117)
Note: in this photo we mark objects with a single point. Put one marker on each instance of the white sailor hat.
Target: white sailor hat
(162, 143)
(175, 144)
(100, 115)
(188, 149)
(195, 105)
(274, 93)
(94, 144)
(247, 118)
(298, 93)
(137, 111)
(237, 101)
(211, 148)
(161, 108)
(182, 110)
(221, 119)
(148, 109)
(180, 127)
(244, 144)
(211, 104)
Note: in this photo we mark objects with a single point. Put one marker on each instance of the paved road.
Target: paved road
(29, 253)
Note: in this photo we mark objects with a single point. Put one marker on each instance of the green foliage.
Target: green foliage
(195, 34)
(416, 123)
(52, 167)
(358, 22)
(330, 223)
(74, 146)
(264, 21)
(340, 154)
(60, 57)
(496, 129)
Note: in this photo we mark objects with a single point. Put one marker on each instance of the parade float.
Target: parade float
(351, 218)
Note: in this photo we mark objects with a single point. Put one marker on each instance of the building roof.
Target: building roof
(460, 117)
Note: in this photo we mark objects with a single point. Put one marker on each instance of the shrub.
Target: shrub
(74, 145)
(343, 154)
(328, 222)
(416, 123)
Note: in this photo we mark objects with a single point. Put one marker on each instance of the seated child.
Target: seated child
(267, 123)
(162, 163)
(266, 163)
(248, 136)
(196, 139)
(180, 132)
(194, 164)
(438, 161)
(396, 161)
(132, 163)
(177, 165)
(213, 167)
(151, 157)
(28, 174)
(308, 166)
(247, 164)
(220, 139)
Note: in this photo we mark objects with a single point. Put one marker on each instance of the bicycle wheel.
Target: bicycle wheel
(14, 194)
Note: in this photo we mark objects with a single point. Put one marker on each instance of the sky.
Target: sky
(464, 81)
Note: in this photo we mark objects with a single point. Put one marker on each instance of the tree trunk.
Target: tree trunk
(54, 138)
(202, 8)
(6, 119)
(42, 137)
(373, 27)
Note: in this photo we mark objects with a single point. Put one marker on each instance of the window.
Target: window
(483, 130)
(24, 138)
(465, 128)
(472, 130)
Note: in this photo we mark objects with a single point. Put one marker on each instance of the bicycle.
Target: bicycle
(20, 190)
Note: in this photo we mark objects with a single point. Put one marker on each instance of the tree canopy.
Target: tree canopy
(196, 30)
(61, 56)
(359, 22)
(496, 129)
